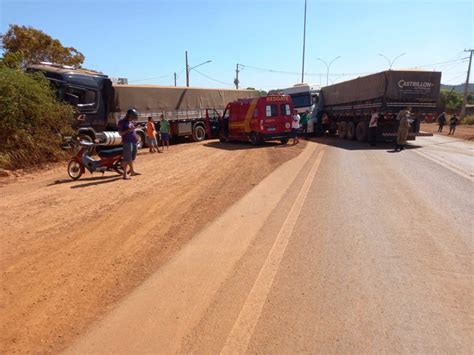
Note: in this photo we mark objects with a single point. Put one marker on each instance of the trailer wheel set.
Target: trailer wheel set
(350, 130)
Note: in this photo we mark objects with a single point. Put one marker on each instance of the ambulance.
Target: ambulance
(257, 120)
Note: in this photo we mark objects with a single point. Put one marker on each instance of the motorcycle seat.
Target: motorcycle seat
(107, 153)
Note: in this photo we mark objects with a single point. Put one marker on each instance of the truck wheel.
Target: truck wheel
(342, 129)
(199, 133)
(255, 139)
(141, 140)
(361, 132)
(350, 134)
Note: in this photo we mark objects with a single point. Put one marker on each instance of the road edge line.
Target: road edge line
(243, 328)
(445, 164)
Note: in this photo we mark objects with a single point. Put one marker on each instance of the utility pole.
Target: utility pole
(236, 81)
(175, 79)
(187, 69)
(304, 43)
(466, 85)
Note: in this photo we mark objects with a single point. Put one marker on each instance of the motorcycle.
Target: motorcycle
(110, 159)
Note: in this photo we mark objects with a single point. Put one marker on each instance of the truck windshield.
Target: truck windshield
(84, 96)
(301, 100)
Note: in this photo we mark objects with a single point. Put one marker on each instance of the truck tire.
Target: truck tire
(141, 140)
(351, 128)
(342, 129)
(255, 139)
(199, 133)
(361, 132)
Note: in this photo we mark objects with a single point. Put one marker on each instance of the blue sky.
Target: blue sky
(145, 40)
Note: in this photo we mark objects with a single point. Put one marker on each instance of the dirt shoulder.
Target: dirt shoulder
(462, 131)
(71, 250)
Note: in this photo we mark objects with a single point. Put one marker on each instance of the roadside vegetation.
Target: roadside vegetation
(31, 119)
(451, 102)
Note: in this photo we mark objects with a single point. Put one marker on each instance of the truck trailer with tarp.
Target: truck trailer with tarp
(346, 107)
(184, 107)
(192, 112)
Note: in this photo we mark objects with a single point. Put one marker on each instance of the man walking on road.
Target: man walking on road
(441, 121)
(129, 141)
(452, 124)
(295, 126)
(403, 129)
(164, 132)
(373, 128)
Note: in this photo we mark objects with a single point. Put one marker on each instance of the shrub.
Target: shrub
(31, 120)
(468, 119)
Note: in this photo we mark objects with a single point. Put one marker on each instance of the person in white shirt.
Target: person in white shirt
(295, 126)
(373, 128)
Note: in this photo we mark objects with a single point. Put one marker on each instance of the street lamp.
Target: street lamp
(390, 62)
(188, 68)
(327, 67)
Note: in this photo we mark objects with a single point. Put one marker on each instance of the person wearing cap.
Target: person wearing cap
(403, 128)
(126, 130)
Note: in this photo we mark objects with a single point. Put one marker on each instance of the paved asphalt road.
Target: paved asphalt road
(343, 249)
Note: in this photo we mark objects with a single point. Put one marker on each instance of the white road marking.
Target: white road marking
(241, 333)
(444, 163)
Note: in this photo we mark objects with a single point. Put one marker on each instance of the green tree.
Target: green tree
(450, 100)
(23, 46)
(30, 120)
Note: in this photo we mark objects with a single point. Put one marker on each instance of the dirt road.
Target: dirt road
(71, 250)
(343, 249)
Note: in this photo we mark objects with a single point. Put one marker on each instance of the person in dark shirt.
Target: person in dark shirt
(452, 124)
(441, 121)
(129, 141)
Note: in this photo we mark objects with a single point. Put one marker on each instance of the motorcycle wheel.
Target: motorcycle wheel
(74, 169)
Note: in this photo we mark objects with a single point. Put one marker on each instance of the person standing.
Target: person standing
(452, 124)
(295, 126)
(164, 132)
(441, 121)
(151, 135)
(403, 129)
(325, 123)
(129, 141)
(373, 128)
(304, 123)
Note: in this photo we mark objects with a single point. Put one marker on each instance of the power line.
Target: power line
(446, 62)
(213, 79)
(295, 73)
(157, 77)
